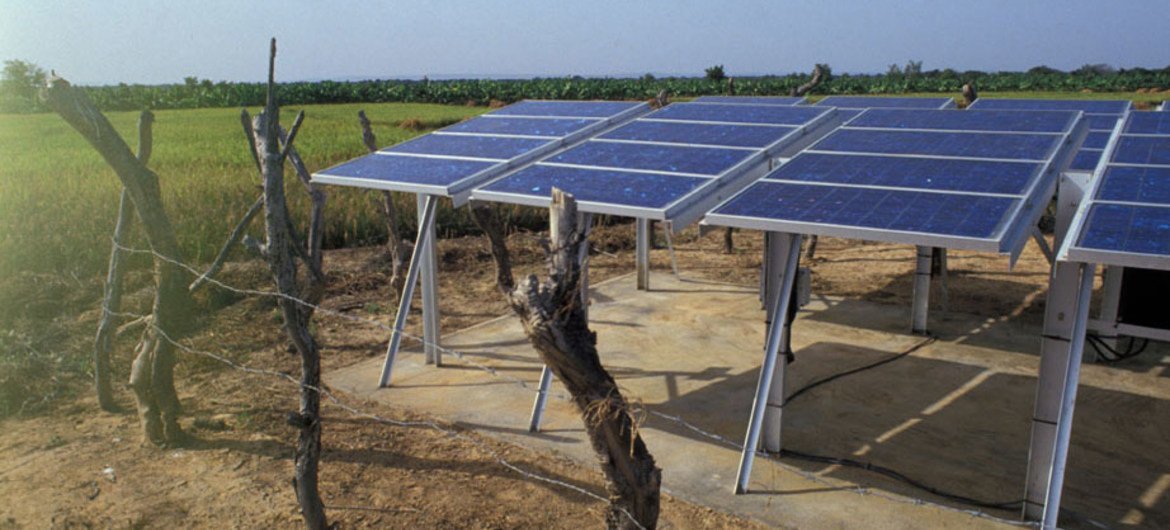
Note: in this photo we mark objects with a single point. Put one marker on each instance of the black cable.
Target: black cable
(1108, 354)
(836, 376)
(890, 473)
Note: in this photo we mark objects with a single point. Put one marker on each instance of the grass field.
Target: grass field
(58, 199)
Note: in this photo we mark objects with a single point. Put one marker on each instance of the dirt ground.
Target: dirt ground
(75, 467)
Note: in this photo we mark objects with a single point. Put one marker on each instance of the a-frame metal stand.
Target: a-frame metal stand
(422, 263)
(768, 405)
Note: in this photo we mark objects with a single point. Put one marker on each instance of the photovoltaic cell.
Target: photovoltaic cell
(578, 109)
(888, 210)
(752, 100)
(599, 185)
(978, 176)
(1135, 184)
(410, 169)
(553, 128)
(489, 147)
(1086, 160)
(1116, 107)
(877, 102)
(1102, 122)
(699, 133)
(1128, 228)
(765, 114)
(1148, 123)
(1143, 150)
(671, 158)
(1096, 140)
(1015, 121)
(980, 145)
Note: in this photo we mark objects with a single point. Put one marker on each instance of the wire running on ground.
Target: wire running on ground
(1110, 355)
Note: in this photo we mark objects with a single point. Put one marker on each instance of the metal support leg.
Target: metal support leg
(921, 291)
(585, 222)
(642, 262)
(1068, 398)
(944, 299)
(764, 389)
(428, 277)
(1110, 302)
(425, 225)
(1038, 237)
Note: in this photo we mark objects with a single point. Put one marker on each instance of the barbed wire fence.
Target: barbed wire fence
(467, 359)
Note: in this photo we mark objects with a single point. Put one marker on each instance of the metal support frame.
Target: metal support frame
(426, 224)
(1083, 274)
(919, 310)
(428, 277)
(585, 221)
(767, 407)
(642, 259)
(1110, 305)
(1038, 237)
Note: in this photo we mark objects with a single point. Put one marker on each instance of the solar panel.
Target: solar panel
(672, 164)
(752, 100)
(908, 176)
(1124, 219)
(1102, 117)
(450, 161)
(882, 102)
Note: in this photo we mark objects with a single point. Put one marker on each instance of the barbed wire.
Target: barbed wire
(465, 357)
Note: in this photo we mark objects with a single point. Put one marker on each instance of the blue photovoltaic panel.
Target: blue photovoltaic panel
(652, 157)
(980, 145)
(1102, 122)
(887, 210)
(1015, 121)
(1086, 160)
(1096, 140)
(1148, 123)
(612, 187)
(699, 133)
(766, 114)
(1127, 228)
(981, 176)
(490, 147)
(409, 169)
(576, 109)
(1135, 184)
(1153, 150)
(550, 127)
(878, 102)
(1125, 220)
(1116, 107)
(754, 100)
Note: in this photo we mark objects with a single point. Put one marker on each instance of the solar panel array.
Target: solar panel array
(940, 178)
(851, 106)
(450, 161)
(1125, 217)
(670, 164)
(1102, 115)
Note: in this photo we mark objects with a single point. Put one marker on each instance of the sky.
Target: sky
(139, 41)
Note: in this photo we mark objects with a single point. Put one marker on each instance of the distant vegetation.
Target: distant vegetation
(15, 95)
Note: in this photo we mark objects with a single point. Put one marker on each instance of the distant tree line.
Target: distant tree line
(21, 80)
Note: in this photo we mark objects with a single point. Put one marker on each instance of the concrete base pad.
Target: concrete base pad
(954, 414)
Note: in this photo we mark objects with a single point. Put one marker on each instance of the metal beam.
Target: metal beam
(764, 388)
(430, 288)
(1068, 396)
(425, 225)
(1110, 304)
(642, 260)
(921, 291)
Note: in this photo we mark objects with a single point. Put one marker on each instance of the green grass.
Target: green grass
(59, 200)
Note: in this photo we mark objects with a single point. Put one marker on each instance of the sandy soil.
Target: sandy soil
(74, 467)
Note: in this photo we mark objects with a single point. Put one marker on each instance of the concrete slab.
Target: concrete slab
(954, 414)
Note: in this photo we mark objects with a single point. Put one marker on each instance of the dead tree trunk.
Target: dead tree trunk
(818, 76)
(394, 245)
(556, 323)
(112, 299)
(282, 249)
(728, 240)
(152, 374)
(969, 94)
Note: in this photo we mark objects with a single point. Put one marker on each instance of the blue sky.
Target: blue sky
(96, 42)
